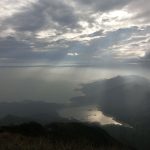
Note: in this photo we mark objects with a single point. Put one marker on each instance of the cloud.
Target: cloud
(105, 5)
(11, 47)
(140, 12)
(72, 54)
(47, 30)
(147, 55)
(43, 14)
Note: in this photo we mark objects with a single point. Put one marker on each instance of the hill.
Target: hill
(59, 136)
(42, 112)
(126, 99)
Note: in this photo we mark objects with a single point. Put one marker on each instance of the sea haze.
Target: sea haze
(55, 84)
(60, 84)
(105, 95)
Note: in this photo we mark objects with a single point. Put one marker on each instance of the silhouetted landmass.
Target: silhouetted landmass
(28, 107)
(39, 111)
(13, 120)
(125, 98)
(67, 135)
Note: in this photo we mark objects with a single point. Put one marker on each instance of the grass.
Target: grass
(11, 141)
(71, 136)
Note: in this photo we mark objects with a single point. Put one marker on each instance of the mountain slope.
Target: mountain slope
(123, 97)
(60, 136)
(126, 99)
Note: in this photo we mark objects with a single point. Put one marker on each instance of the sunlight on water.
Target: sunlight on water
(87, 114)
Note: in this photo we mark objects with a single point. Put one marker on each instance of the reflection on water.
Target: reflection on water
(87, 114)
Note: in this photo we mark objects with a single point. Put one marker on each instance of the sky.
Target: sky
(54, 32)
(49, 47)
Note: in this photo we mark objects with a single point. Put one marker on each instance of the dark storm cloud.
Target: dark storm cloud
(61, 13)
(10, 47)
(39, 16)
(29, 21)
(49, 30)
(42, 15)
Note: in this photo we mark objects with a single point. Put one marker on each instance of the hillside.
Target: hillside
(59, 136)
(126, 99)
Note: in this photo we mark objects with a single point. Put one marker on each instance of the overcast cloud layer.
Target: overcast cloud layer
(83, 31)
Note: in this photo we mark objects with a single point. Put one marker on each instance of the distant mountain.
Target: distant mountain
(128, 102)
(13, 120)
(39, 111)
(119, 86)
(102, 85)
(40, 118)
(28, 107)
(125, 98)
(63, 136)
